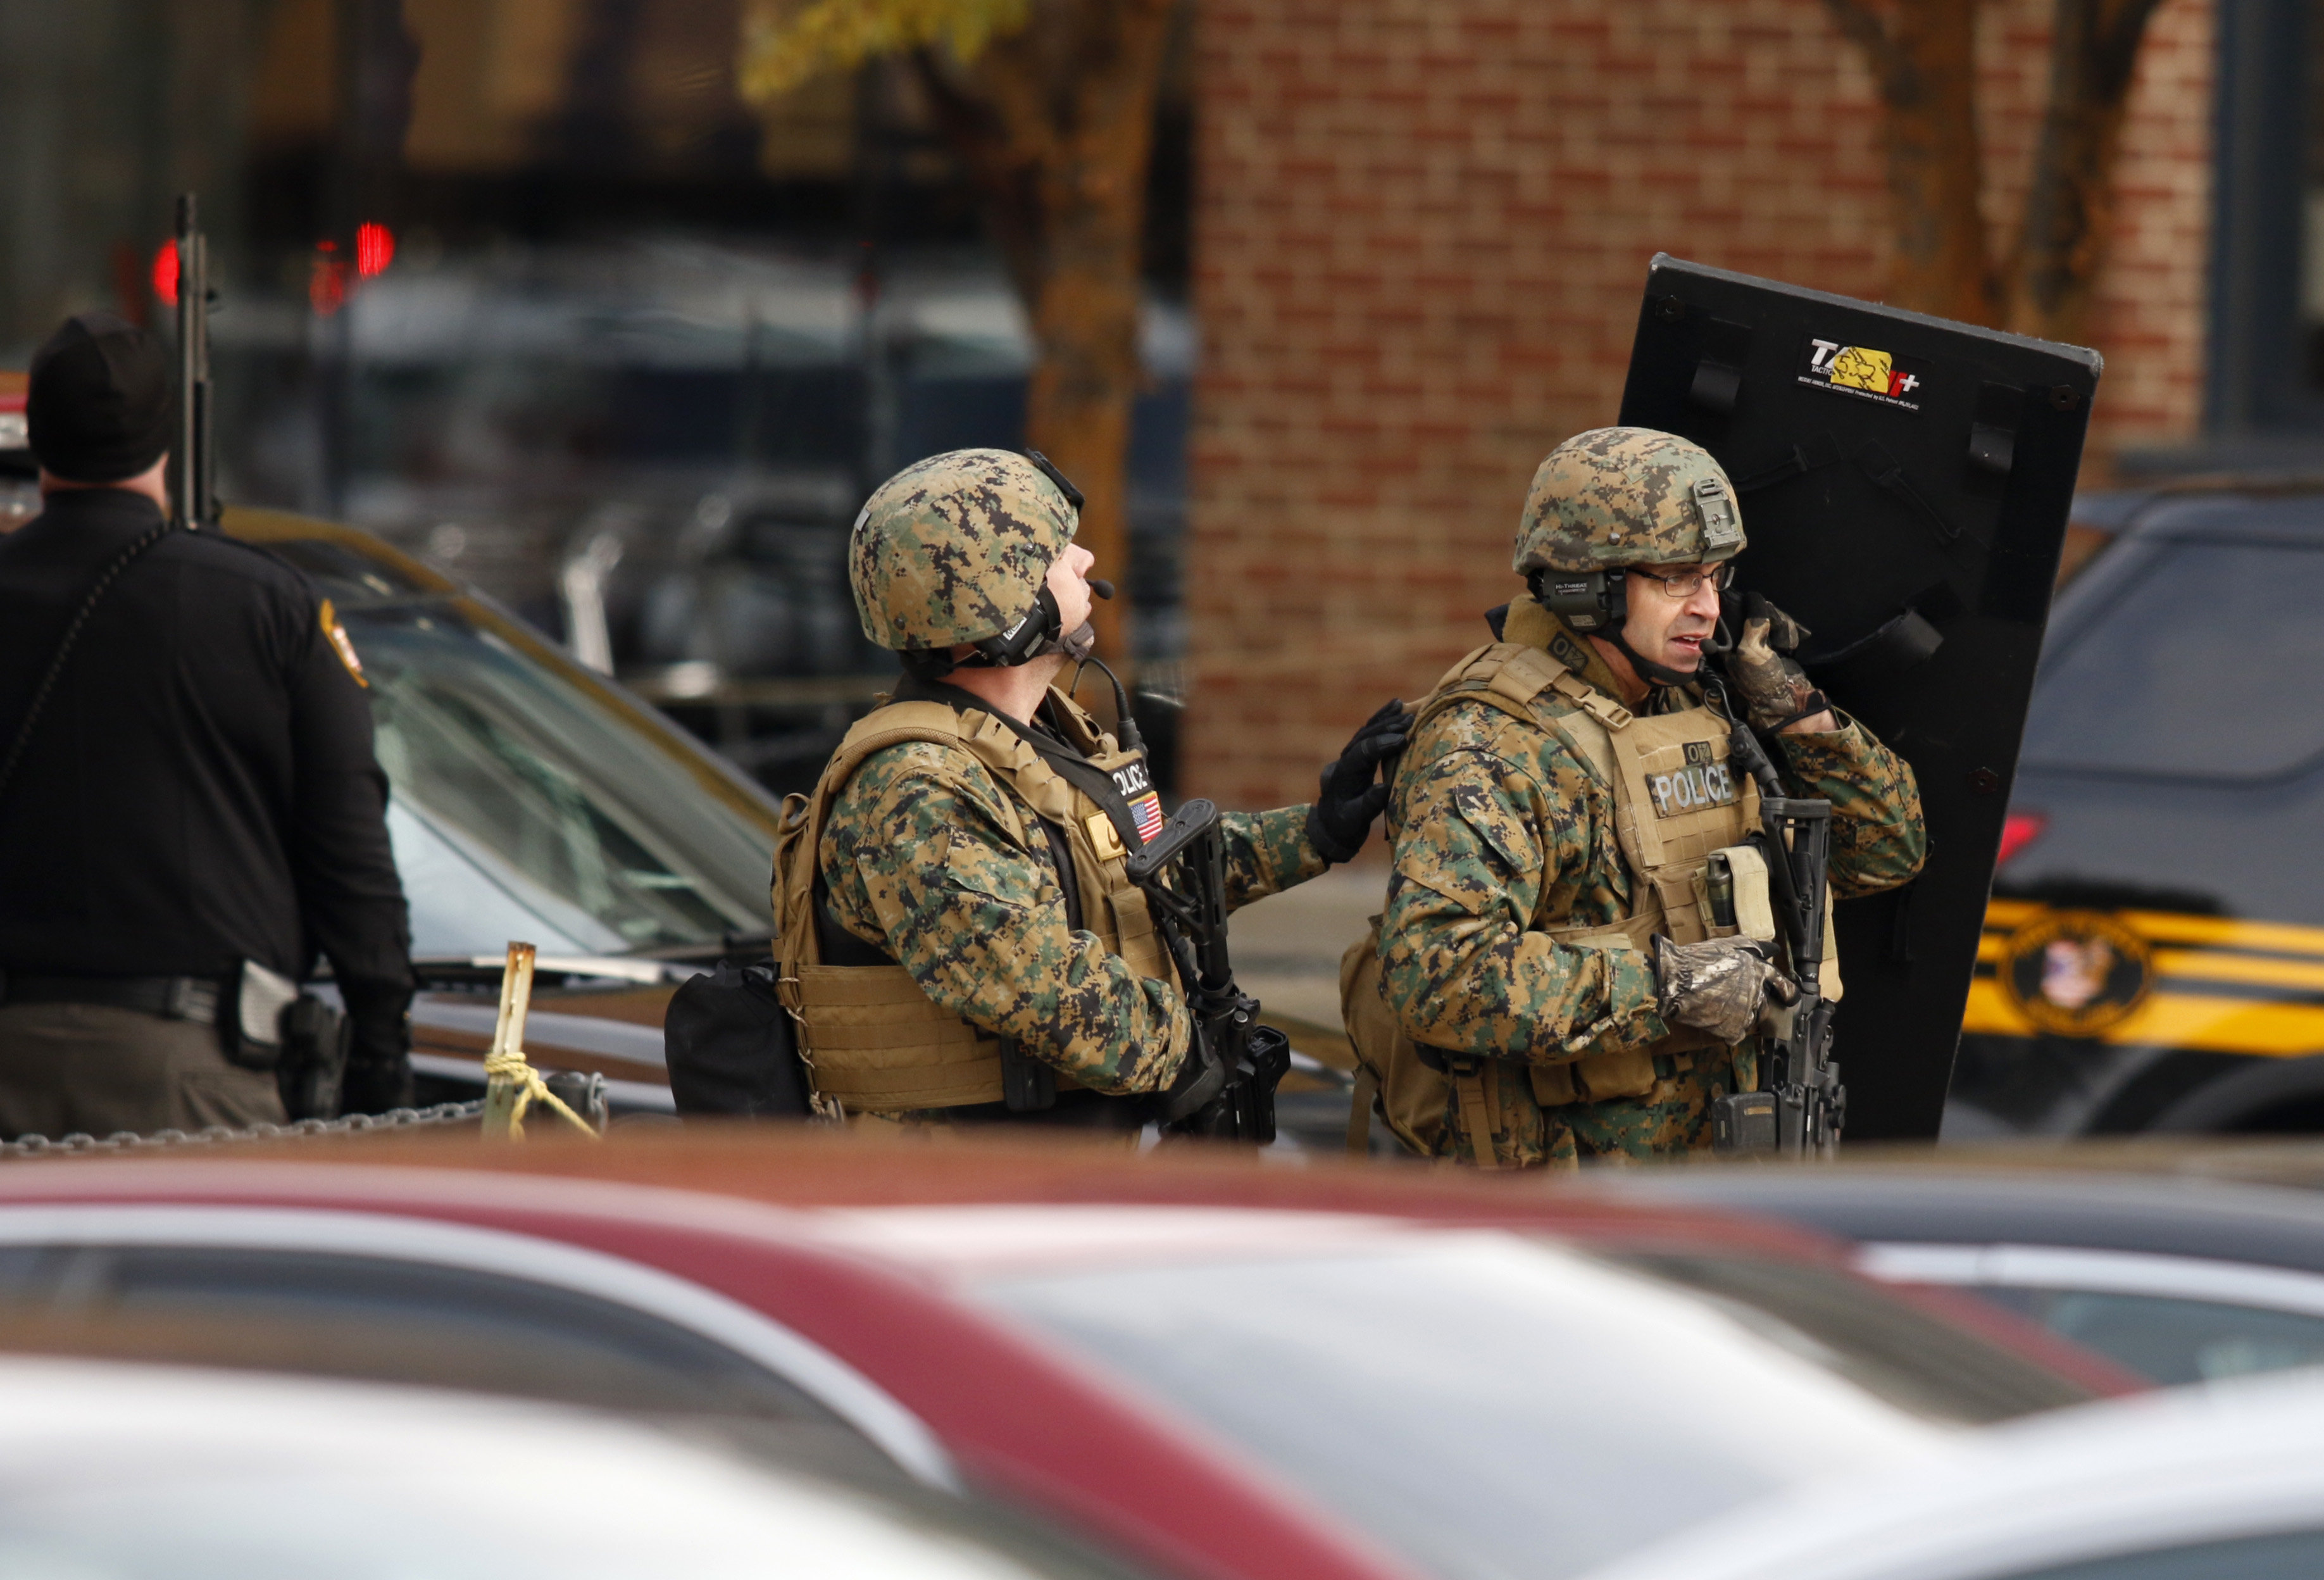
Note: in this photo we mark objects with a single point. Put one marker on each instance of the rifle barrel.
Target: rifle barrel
(194, 494)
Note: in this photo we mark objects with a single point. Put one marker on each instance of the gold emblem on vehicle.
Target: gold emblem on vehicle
(2076, 973)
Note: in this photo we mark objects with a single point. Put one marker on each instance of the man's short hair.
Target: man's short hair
(101, 404)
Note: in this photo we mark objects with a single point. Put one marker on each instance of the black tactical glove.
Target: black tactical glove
(1341, 820)
(1775, 691)
(379, 1063)
(376, 1085)
(1720, 985)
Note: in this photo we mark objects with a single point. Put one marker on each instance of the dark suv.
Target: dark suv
(2154, 955)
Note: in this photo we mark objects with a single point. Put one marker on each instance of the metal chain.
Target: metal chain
(81, 1144)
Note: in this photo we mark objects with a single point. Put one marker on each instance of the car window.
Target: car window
(1888, 1348)
(2151, 687)
(388, 1320)
(516, 795)
(2170, 1340)
(2297, 1555)
(1490, 1405)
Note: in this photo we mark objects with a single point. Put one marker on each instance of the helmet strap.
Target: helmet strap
(1660, 674)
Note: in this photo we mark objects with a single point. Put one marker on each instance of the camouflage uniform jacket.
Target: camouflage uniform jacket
(1501, 831)
(918, 862)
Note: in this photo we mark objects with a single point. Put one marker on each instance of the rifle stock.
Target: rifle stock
(1183, 871)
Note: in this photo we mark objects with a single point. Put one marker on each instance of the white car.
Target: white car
(126, 1472)
(2223, 1482)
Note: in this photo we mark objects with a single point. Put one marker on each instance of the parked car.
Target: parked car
(2179, 1279)
(126, 1472)
(2156, 941)
(1218, 1368)
(2218, 1483)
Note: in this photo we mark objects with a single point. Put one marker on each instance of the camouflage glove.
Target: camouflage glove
(1775, 691)
(1720, 985)
(1341, 820)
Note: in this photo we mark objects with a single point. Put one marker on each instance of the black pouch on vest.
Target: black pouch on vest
(317, 1037)
(1026, 1085)
(730, 1048)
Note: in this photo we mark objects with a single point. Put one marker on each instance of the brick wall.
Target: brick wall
(1421, 228)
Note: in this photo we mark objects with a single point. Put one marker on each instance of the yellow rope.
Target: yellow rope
(531, 1088)
(512, 1084)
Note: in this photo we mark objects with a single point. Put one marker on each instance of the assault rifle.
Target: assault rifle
(1800, 1105)
(1183, 871)
(194, 491)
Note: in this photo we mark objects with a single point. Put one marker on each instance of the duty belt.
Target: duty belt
(174, 998)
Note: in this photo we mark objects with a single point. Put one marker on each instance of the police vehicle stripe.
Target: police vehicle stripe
(2222, 985)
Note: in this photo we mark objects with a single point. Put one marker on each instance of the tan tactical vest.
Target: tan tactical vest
(1676, 801)
(872, 1041)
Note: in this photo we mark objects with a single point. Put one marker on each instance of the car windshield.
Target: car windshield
(1490, 1405)
(2139, 691)
(528, 805)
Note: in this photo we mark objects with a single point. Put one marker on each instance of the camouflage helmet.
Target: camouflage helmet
(956, 548)
(1617, 497)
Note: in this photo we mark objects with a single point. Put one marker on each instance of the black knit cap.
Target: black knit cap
(101, 404)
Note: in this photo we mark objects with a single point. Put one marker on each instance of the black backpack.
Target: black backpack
(729, 1044)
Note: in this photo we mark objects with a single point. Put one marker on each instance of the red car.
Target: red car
(1217, 1367)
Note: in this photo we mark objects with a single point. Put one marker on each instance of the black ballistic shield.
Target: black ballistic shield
(1905, 483)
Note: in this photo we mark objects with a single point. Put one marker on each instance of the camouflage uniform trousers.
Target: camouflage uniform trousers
(1671, 1120)
(920, 862)
(1501, 831)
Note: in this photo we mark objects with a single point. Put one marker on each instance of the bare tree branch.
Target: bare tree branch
(1923, 61)
(2069, 219)
(1860, 25)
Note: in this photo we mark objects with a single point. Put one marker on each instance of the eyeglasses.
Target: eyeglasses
(1687, 583)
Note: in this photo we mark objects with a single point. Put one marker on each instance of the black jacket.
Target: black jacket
(200, 788)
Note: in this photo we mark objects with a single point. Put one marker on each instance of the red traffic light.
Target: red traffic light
(165, 272)
(374, 249)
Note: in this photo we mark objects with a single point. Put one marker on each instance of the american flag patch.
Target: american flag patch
(1146, 810)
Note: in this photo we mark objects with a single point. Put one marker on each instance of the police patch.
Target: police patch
(1137, 788)
(1691, 789)
(336, 635)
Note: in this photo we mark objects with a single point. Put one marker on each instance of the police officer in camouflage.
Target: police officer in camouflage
(956, 938)
(1548, 943)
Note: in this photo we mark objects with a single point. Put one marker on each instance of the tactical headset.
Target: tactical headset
(1587, 600)
(1597, 603)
